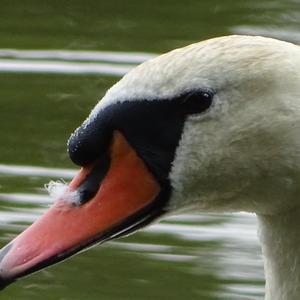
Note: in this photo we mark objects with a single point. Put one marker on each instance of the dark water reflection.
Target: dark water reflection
(45, 95)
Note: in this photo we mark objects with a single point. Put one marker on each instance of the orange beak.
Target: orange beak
(122, 201)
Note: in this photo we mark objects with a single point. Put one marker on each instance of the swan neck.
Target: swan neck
(280, 240)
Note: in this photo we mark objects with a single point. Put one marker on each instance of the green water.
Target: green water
(188, 257)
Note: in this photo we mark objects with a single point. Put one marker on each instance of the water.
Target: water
(57, 59)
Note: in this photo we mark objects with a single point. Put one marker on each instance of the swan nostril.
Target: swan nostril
(90, 186)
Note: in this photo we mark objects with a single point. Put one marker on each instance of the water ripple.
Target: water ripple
(33, 66)
(70, 62)
(36, 171)
(116, 57)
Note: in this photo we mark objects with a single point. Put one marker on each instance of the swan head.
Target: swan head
(212, 126)
(242, 153)
(239, 149)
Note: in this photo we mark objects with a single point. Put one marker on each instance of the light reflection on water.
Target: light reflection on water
(31, 66)
(76, 55)
(70, 62)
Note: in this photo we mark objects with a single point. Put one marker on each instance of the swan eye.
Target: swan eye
(196, 102)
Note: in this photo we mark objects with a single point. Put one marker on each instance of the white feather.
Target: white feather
(60, 191)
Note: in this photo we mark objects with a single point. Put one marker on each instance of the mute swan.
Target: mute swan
(214, 126)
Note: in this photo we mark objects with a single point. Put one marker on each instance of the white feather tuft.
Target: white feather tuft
(59, 190)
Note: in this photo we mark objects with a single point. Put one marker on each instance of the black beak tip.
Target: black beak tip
(4, 282)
